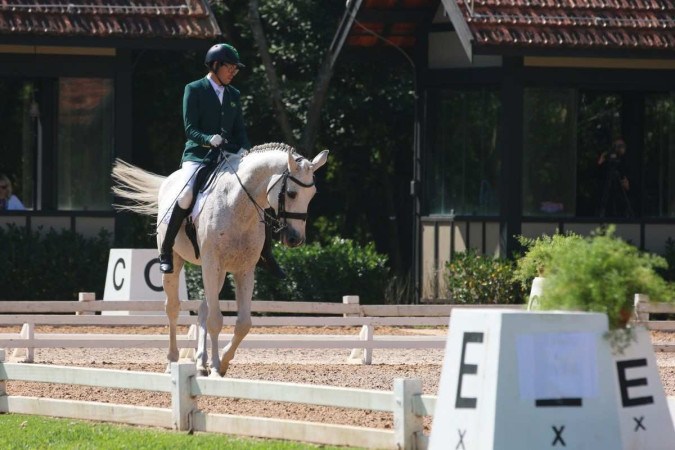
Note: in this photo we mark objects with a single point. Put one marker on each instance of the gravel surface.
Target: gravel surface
(325, 367)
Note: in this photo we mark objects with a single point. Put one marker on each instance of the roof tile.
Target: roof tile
(109, 18)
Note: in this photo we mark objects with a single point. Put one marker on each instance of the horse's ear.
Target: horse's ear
(292, 163)
(319, 160)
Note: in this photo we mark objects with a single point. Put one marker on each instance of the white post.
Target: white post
(640, 301)
(182, 401)
(85, 297)
(407, 425)
(26, 354)
(356, 356)
(189, 353)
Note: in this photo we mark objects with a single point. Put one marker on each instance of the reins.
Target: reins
(278, 222)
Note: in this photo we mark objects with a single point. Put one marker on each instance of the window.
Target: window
(549, 153)
(84, 143)
(658, 159)
(19, 136)
(462, 173)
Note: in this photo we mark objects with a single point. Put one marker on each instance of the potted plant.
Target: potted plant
(531, 268)
(602, 273)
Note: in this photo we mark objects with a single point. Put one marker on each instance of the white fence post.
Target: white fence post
(641, 300)
(359, 355)
(85, 297)
(406, 423)
(189, 352)
(25, 354)
(182, 401)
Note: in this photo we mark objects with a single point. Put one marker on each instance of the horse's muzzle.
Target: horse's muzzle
(292, 238)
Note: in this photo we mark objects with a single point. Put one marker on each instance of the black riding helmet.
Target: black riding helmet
(222, 53)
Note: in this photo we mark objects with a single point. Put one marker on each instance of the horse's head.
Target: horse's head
(289, 194)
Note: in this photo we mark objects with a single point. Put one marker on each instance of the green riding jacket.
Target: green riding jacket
(204, 116)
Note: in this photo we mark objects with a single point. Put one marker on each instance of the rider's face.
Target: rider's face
(226, 72)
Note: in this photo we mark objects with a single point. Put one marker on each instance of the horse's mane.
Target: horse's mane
(275, 146)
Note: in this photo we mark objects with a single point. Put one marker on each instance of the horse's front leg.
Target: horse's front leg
(213, 277)
(243, 291)
(172, 306)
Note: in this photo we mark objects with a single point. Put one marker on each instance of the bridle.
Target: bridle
(280, 221)
(281, 208)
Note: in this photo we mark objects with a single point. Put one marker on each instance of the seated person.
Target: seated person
(8, 201)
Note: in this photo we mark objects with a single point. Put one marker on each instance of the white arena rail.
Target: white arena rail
(29, 314)
(406, 402)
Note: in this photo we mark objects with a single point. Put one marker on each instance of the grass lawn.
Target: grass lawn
(19, 431)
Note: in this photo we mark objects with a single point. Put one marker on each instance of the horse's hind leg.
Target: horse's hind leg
(244, 292)
(172, 305)
(213, 277)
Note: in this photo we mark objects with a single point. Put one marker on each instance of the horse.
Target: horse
(230, 232)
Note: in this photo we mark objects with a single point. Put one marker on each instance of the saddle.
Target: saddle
(203, 179)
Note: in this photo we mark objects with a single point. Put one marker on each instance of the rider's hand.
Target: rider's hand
(216, 140)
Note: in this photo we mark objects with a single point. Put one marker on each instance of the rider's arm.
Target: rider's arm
(191, 117)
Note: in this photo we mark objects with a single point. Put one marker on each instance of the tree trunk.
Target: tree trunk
(311, 130)
(272, 79)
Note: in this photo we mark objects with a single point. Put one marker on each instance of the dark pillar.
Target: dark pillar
(511, 156)
(123, 125)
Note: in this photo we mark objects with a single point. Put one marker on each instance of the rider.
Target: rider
(213, 121)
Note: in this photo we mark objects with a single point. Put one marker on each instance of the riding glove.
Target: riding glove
(216, 140)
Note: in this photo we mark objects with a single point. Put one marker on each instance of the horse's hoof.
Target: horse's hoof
(214, 374)
(202, 372)
(223, 368)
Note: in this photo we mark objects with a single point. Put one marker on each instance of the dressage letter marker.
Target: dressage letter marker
(133, 274)
(643, 409)
(519, 380)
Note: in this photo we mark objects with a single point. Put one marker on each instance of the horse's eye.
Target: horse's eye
(292, 194)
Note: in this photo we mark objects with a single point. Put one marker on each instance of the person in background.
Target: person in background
(8, 201)
(614, 183)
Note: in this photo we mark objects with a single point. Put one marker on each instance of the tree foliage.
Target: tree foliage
(366, 121)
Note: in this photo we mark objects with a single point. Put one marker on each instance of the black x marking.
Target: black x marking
(638, 423)
(461, 439)
(558, 435)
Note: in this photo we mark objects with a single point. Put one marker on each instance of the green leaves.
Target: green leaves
(326, 273)
(51, 265)
(476, 279)
(602, 273)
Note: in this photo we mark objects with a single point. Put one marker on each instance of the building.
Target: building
(66, 73)
(516, 102)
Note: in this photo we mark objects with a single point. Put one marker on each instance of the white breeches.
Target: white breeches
(187, 169)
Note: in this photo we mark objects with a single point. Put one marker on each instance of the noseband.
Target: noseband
(281, 209)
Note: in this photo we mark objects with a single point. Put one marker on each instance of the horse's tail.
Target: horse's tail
(137, 185)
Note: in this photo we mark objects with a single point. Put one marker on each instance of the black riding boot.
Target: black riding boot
(267, 260)
(166, 253)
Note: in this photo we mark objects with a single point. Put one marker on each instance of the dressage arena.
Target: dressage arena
(314, 366)
(321, 367)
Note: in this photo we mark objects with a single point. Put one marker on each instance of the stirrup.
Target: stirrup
(166, 263)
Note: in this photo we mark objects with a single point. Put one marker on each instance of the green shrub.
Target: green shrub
(51, 265)
(602, 273)
(536, 261)
(476, 279)
(326, 273)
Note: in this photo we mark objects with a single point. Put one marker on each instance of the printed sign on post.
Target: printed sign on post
(513, 380)
(133, 274)
(643, 408)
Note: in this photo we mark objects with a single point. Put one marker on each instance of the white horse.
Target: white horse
(230, 232)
